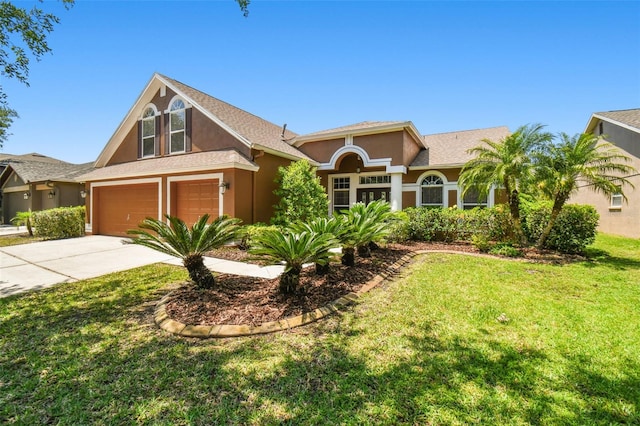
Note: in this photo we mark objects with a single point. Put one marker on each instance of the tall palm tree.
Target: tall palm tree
(581, 160)
(506, 163)
(189, 244)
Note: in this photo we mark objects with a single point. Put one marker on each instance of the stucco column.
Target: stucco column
(396, 191)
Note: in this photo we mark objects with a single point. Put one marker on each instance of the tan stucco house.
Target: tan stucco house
(617, 216)
(37, 182)
(182, 152)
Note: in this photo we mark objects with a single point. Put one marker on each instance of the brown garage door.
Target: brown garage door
(123, 207)
(196, 198)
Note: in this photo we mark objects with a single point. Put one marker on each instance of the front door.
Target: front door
(369, 195)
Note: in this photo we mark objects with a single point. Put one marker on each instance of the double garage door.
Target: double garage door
(122, 207)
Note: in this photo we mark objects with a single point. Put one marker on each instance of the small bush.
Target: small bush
(575, 228)
(398, 227)
(63, 222)
(249, 233)
(505, 249)
(481, 242)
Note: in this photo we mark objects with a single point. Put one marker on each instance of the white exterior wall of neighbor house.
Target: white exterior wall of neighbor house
(624, 219)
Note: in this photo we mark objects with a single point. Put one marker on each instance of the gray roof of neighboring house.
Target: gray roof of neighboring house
(451, 149)
(253, 128)
(630, 117)
(33, 169)
(34, 156)
(194, 161)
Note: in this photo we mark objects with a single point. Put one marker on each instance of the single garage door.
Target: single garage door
(195, 198)
(123, 207)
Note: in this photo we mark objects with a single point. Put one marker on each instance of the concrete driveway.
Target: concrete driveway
(43, 264)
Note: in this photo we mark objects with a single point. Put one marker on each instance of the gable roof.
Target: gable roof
(30, 170)
(249, 129)
(172, 164)
(451, 149)
(628, 118)
(362, 128)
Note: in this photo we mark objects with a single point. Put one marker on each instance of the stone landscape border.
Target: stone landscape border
(230, 330)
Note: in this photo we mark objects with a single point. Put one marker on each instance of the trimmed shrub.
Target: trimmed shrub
(62, 222)
(505, 249)
(398, 227)
(574, 229)
(249, 233)
(302, 197)
(452, 224)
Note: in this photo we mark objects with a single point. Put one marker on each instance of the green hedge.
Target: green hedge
(452, 224)
(575, 228)
(63, 222)
(249, 233)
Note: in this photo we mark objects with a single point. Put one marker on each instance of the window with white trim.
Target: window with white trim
(472, 199)
(148, 139)
(341, 186)
(616, 201)
(432, 191)
(379, 179)
(177, 120)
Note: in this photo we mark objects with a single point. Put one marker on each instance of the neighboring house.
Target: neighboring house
(37, 182)
(181, 152)
(621, 128)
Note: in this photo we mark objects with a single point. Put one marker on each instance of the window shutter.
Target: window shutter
(167, 136)
(156, 140)
(187, 130)
(139, 138)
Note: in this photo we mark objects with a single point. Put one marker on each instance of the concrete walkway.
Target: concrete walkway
(44, 264)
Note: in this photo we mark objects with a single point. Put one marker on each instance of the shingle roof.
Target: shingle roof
(251, 127)
(50, 169)
(357, 126)
(195, 161)
(450, 149)
(630, 117)
(34, 156)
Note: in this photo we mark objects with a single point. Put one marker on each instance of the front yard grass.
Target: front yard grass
(453, 340)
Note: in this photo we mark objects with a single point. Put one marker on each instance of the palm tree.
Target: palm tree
(189, 244)
(321, 225)
(24, 218)
(584, 160)
(294, 249)
(506, 163)
(362, 225)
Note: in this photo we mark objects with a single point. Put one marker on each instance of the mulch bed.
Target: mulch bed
(246, 300)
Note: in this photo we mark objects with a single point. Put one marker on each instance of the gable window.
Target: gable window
(148, 139)
(472, 199)
(177, 127)
(432, 191)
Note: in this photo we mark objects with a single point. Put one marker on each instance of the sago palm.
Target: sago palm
(362, 225)
(189, 244)
(294, 249)
(506, 163)
(581, 160)
(321, 225)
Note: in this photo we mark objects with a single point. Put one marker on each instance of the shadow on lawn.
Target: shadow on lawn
(99, 359)
(598, 257)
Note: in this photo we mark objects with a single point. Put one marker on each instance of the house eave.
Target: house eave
(438, 166)
(592, 124)
(411, 128)
(283, 154)
(231, 165)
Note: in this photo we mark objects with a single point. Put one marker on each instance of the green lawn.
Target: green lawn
(425, 348)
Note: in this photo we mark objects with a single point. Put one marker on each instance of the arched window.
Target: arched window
(432, 191)
(177, 126)
(148, 137)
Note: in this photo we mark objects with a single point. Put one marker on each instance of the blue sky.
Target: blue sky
(445, 66)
